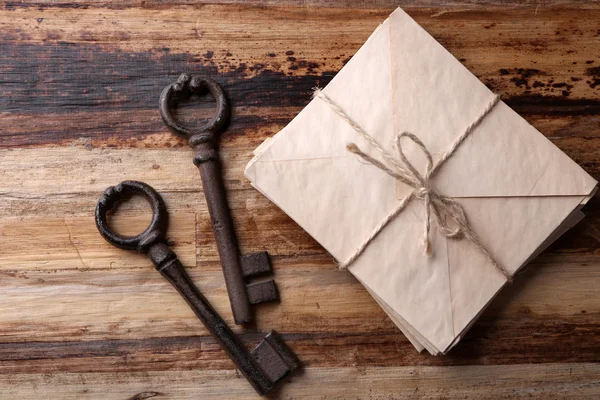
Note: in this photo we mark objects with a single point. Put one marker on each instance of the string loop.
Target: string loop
(450, 215)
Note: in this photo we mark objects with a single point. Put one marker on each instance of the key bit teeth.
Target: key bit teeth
(261, 292)
(256, 263)
(274, 357)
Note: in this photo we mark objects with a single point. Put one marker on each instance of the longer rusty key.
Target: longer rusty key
(235, 268)
(264, 366)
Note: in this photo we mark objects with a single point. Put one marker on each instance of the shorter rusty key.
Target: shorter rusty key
(236, 268)
(264, 366)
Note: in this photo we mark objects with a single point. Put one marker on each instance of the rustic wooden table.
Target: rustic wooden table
(78, 112)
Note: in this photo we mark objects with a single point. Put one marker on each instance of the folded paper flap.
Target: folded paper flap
(414, 285)
(506, 156)
(362, 88)
(435, 97)
(328, 206)
(512, 228)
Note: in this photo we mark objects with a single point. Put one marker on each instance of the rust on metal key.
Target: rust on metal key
(203, 140)
(264, 366)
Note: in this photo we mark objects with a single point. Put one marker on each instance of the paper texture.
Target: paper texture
(517, 188)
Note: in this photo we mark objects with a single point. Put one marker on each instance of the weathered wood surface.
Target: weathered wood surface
(78, 112)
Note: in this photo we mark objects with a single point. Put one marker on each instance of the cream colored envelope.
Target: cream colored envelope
(519, 191)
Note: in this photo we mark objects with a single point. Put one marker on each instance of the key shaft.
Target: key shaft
(167, 263)
(209, 165)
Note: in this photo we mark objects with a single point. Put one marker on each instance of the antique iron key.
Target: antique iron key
(236, 268)
(264, 366)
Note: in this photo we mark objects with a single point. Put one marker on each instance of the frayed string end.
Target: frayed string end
(353, 148)
(426, 243)
(316, 92)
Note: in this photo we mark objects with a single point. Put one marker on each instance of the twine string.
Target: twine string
(450, 215)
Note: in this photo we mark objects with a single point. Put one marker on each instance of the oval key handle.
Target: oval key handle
(115, 194)
(182, 90)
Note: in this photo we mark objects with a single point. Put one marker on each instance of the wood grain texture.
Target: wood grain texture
(402, 383)
(448, 5)
(79, 85)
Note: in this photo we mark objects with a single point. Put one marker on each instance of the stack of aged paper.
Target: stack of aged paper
(518, 191)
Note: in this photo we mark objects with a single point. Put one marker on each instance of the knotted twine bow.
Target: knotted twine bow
(450, 215)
